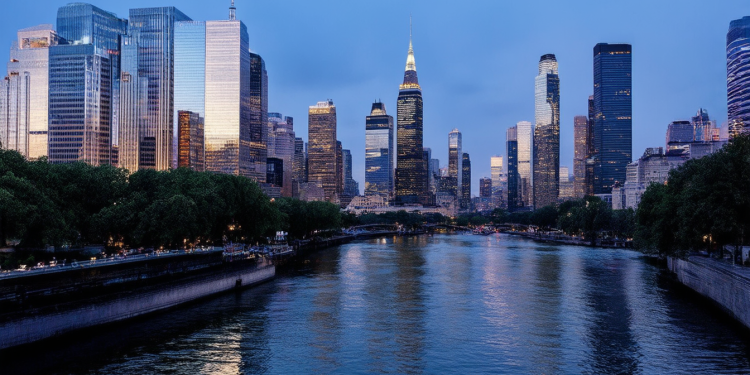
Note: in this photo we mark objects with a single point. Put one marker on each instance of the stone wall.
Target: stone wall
(34, 327)
(727, 285)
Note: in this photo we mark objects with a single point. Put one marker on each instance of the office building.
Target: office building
(525, 143)
(351, 187)
(514, 199)
(485, 187)
(281, 145)
(321, 151)
(465, 197)
(410, 180)
(613, 115)
(455, 162)
(190, 136)
(24, 93)
(84, 76)
(499, 182)
(379, 152)
(258, 117)
(580, 154)
(566, 184)
(546, 159)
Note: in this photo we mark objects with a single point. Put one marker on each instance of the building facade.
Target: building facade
(738, 72)
(465, 202)
(321, 151)
(546, 159)
(410, 179)
(24, 93)
(190, 139)
(499, 182)
(485, 187)
(455, 162)
(84, 75)
(525, 143)
(515, 200)
(258, 117)
(379, 152)
(580, 154)
(613, 115)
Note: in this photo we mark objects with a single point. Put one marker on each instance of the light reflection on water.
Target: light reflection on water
(440, 304)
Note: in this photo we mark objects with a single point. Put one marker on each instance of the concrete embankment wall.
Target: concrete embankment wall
(727, 285)
(41, 326)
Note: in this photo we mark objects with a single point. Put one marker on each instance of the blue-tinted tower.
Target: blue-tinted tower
(738, 72)
(613, 115)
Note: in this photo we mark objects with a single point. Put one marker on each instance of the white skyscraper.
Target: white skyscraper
(499, 181)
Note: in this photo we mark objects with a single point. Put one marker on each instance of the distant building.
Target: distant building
(299, 164)
(679, 135)
(465, 200)
(738, 74)
(499, 182)
(282, 145)
(258, 117)
(379, 152)
(580, 154)
(455, 162)
(546, 158)
(275, 172)
(322, 150)
(485, 187)
(351, 187)
(515, 200)
(613, 115)
(566, 184)
(190, 136)
(652, 167)
(525, 143)
(24, 93)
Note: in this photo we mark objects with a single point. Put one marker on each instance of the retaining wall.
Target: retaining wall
(727, 285)
(34, 327)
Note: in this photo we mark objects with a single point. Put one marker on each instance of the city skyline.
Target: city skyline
(504, 93)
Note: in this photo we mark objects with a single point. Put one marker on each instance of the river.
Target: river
(431, 304)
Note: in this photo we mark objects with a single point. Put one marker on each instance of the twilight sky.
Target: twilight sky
(476, 60)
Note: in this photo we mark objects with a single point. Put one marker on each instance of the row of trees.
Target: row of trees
(44, 204)
(704, 206)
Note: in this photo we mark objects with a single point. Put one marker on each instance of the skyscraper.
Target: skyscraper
(351, 187)
(590, 150)
(485, 187)
(379, 152)
(738, 72)
(321, 151)
(410, 169)
(24, 93)
(580, 154)
(499, 181)
(455, 163)
(525, 143)
(613, 115)
(258, 118)
(465, 182)
(281, 145)
(514, 178)
(190, 139)
(84, 75)
(153, 32)
(189, 86)
(339, 169)
(546, 133)
(217, 84)
(299, 164)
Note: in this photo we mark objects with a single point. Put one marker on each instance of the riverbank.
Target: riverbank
(725, 284)
(568, 240)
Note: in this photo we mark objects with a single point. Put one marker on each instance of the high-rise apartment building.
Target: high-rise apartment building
(151, 39)
(515, 200)
(258, 118)
(613, 115)
(525, 143)
(546, 164)
(321, 151)
(84, 78)
(455, 163)
(379, 152)
(580, 154)
(465, 201)
(24, 93)
(411, 182)
(212, 77)
(738, 72)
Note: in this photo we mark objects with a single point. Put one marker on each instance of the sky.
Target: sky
(476, 60)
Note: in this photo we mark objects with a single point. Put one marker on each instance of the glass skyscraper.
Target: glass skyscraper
(379, 152)
(738, 72)
(322, 148)
(499, 181)
(411, 179)
(514, 178)
(613, 115)
(189, 81)
(24, 93)
(455, 163)
(258, 117)
(525, 144)
(84, 85)
(546, 160)
(465, 182)
(152, 32)
(212, 77)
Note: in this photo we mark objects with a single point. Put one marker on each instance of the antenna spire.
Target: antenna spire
(232, 12)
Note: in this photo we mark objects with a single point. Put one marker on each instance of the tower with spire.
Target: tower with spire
(411, 166)
(232, 12)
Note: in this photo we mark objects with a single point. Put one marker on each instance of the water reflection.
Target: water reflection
(442, 304)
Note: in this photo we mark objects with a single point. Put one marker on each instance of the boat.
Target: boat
(279, 246)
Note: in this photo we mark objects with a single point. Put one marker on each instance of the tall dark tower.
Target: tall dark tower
(613, 115)
(547, 133)
(411, 181)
